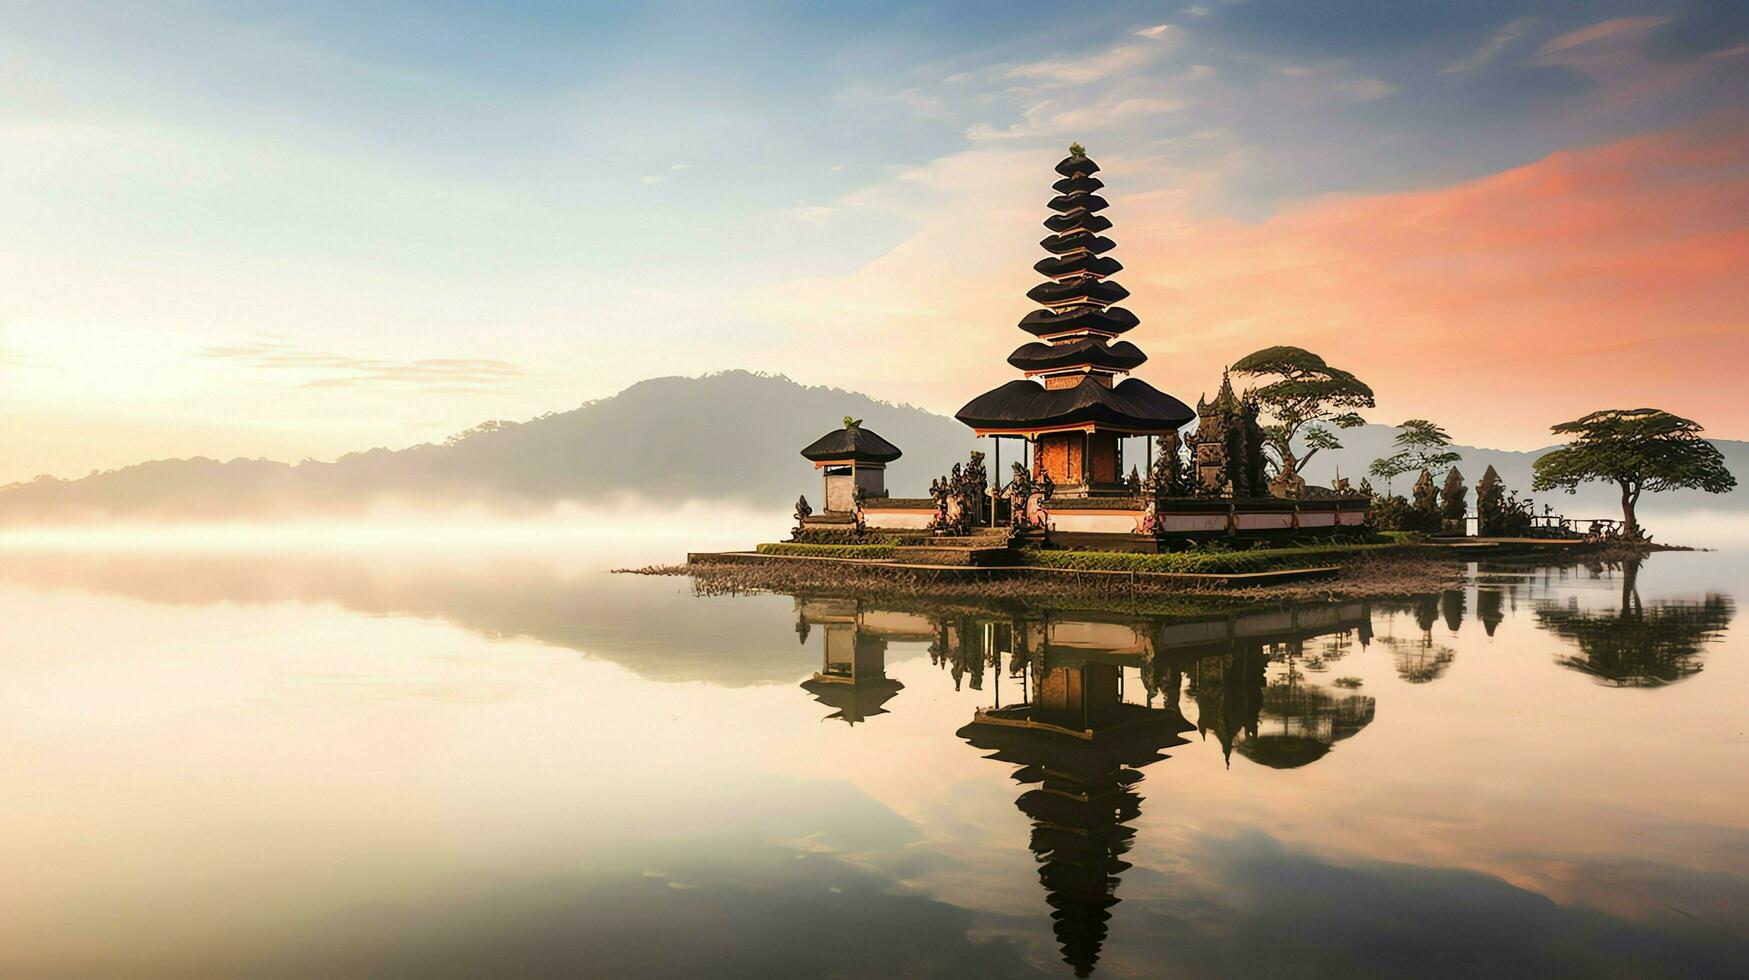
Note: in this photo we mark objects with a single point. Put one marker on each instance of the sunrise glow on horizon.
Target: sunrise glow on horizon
(252, 230)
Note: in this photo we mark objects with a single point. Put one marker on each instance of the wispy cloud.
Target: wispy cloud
(331, 370)
(1363, 89)
(1050, 117)
(672, 170)
(1113, 61)
(813, 214)
(1632, 27)
(1491, 48)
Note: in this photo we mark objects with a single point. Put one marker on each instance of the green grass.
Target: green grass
(1209, 562)
(826, 550)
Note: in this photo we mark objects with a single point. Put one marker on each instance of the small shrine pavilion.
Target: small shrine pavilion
(849, 458)
(1071, 406)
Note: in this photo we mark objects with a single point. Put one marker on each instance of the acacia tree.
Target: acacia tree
(1637, 449)
(1306, 394)
(1421, 445)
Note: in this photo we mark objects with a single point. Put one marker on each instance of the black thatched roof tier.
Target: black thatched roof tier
(1080, 241)
(1072, 185)
(852, 444)
(1075, 328)
(1121, 356)
(1077, 220)
(1077, 165)
(1112, 320)
(1081, 262)
(1078, 202)
(1099, 291)
(1132, 405)
(854, 702)
(1135, 740)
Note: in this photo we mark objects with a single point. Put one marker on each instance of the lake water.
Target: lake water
(510, 764)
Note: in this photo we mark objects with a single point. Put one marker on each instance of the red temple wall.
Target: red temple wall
(1058, 454)
(1103, 453)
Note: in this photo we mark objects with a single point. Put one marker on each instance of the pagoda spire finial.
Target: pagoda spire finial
(1077, 150)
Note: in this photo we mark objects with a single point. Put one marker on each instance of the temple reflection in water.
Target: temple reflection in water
(1094, 698)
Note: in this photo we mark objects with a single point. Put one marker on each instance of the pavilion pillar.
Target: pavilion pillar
(995, 477)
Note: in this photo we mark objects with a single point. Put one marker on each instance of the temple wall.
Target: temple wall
(1058, 453)
(1095, 522)
(1264, 522)
(838, 493)
(840, 490)
(1198, 518)
(1089, 635)
(1104, 462)
(897, 518)
(1193, 634)
(1193, 523)
(1264, 624)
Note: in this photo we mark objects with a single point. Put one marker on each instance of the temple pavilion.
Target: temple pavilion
(1071, 407)
(850, 458)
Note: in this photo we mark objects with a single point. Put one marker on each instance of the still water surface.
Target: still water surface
(513, 765)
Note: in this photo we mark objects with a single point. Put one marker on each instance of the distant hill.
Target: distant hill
(732, 436)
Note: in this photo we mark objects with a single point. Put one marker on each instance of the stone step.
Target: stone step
(931, 554)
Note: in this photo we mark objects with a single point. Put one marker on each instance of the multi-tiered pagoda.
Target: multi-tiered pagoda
(1076, 410)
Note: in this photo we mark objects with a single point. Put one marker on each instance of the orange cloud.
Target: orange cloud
(1589, 278)
(1596, 277)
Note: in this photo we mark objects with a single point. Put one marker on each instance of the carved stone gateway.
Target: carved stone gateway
(1227, 447)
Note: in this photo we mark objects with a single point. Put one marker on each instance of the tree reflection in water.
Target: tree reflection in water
(1638, 644)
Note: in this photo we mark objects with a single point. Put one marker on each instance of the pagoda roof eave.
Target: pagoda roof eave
(1111, 321)
(1022, 406)
(1038, 357)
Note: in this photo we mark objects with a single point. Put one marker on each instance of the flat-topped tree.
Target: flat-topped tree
(1071, 405)
(1306, 398)
(1637, 449)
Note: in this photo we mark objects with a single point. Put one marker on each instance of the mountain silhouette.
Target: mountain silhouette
(733, 436)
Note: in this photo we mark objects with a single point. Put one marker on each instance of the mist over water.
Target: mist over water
(629, 531)
(404, 749)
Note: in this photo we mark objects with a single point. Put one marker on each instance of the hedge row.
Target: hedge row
(826, 550)
(1197, 562)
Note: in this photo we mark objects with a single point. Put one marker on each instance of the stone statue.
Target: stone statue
(1288, 484)
(1454, 502)
(1426, 505)
(1019, 495)
(803, 512)
(1167, 472)
(1490, 503)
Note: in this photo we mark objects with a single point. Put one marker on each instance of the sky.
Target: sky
(297, 230)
